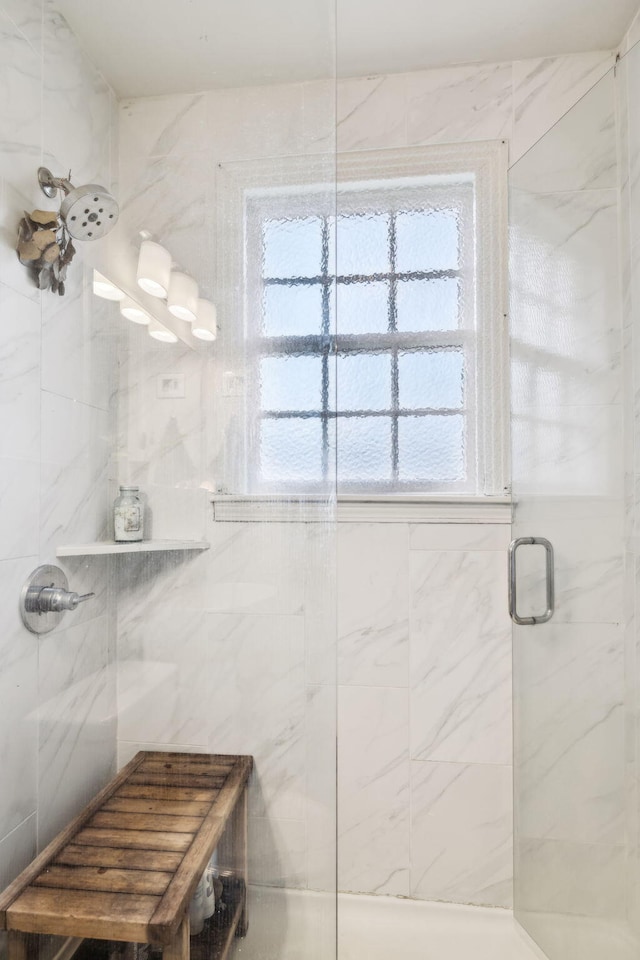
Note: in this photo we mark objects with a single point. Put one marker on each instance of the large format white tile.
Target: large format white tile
(78, 347)
(320, 603)
(277, 852)
(255, 122)
(17, 850)
(588, 565)
(76, 106)
(18, 701)
(570, 746)
(20, 113)
(578, 937)
(256, 568)
(564, 264)
(13, 203)
(320, 116)
(373, 790)
(545, 89)
(579, 152)
(178, 218)
(161, 126)
(459, 536)
(373, 604)
(562, 877)
(27, 16)
(371, 112)
(77, 722)
(19, 517)
(460, 657)
(169, 700)
(461, 830)
(569, 451)
(461, 103)
(320, 768)
(75, 457)
(19, 376)
(159, 439)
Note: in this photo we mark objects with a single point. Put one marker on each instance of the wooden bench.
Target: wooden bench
(127, 867)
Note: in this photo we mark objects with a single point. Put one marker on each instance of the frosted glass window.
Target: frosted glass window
(292, 247)
(291, 450)
(431, 380)
(428, 304)
(363, 244)
(364, 382)
(364, 449)
(292, 310)
(291, 383)
(381, 331)
(427, 240)
(363, 307)
(431, 449)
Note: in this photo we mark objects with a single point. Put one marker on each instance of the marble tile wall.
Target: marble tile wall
(57, 358)
(424, 672)
(570, 381)
(629, 145)
(424, 663)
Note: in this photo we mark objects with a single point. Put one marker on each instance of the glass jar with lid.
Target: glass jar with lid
(128, 516)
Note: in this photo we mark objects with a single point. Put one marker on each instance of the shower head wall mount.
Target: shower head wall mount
(89, 212)
(45, 237)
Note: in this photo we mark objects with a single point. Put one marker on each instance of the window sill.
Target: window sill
(352, 508)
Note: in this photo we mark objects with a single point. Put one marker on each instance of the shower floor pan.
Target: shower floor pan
(300, 925)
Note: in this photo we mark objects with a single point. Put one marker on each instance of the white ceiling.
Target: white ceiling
(151, 47)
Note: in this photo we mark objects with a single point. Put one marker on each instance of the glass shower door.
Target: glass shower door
(571, 778)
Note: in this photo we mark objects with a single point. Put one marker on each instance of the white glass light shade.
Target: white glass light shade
(183, 297)
(205, 325)
(158, 332)
(105, 289)
(154, 269)
(132, 311)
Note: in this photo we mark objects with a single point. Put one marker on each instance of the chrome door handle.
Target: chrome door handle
(550, 581)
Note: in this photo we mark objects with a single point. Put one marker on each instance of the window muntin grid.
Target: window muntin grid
(447, 277)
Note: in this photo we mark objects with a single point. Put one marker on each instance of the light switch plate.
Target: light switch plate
(171, 386)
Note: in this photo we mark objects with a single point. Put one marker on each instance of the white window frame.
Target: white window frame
(308, 183)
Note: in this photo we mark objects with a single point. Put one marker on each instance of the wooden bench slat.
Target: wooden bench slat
(170, 780)
(104, 879)
(176, 808)
(143, 821)
(127, 866)
(84, 856)
(166, 919)
(167, 793)
(185, 768)
(136, 839)
(24, 879)
(83, 913)
(223, 759)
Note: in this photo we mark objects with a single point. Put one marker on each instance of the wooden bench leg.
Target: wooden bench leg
(17, 945)
(180, 948)
(240, 856)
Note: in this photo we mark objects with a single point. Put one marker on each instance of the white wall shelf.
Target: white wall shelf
(145, 546)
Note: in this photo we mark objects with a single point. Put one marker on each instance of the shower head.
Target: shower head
(89, 212)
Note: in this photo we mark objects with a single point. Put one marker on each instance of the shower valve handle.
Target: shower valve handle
(56, 600)
(45, 598)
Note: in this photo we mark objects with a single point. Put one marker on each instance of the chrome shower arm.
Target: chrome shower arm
(50, 184)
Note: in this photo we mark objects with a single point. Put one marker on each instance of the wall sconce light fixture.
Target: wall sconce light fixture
(182, 300)
(102, 287)
(154, 269)
(158, 332)
(205, 327)
(132, 311)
